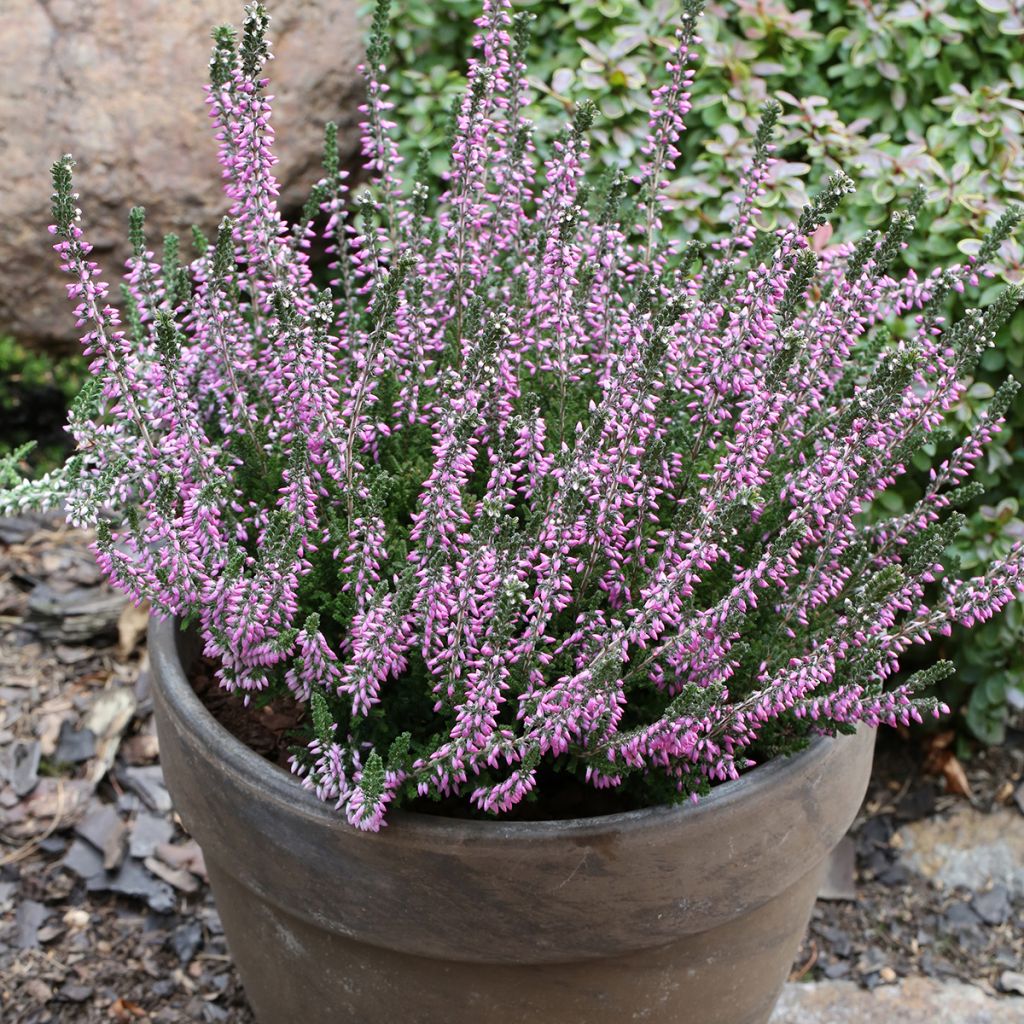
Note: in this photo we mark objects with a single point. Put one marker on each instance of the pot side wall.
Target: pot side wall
(688, 915)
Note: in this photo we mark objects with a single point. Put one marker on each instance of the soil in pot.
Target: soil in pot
(274, 727)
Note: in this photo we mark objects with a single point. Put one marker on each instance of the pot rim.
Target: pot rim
(272, 782)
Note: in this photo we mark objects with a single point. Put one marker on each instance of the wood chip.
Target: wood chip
(956, 777)
(53, 800)
(131, 627)
(141, 749)
(107, 720)
(76, 919)
(126, 1010)
(1012, 981)
(186, 855)
(181, 879)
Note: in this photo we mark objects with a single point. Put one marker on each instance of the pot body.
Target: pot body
(672, 915)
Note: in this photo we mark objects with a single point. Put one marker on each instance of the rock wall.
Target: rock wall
(119, 84)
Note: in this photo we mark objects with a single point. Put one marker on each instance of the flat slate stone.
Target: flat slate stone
(186, 940)
(103, 827)
(840, 882)
(148, 832)
(912, 1001)
(16, 529)
(993, 907)
(148, 784)
(75, 616)
(132, 879)
(19, 765)
(27, 922)
(74, 746)
(83, 859)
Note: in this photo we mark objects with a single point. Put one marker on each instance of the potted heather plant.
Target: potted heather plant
(556, 534)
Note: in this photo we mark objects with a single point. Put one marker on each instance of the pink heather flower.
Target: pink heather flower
(534, 482)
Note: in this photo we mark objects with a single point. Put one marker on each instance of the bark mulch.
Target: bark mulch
(105, 911)
(893, 922)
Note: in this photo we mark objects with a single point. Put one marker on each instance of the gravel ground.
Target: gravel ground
(105, 914)
(932, 884)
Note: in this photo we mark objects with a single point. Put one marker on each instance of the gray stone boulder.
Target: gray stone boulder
(119, 84)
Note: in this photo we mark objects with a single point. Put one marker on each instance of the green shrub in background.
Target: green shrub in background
(35, 391)
(896, 92)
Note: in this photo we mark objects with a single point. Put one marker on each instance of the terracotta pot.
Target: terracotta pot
(688, 914)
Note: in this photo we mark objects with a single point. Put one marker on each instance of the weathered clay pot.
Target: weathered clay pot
(688, 915)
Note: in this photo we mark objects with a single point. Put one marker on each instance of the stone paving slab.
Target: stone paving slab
(912, 1001)
(968, 850)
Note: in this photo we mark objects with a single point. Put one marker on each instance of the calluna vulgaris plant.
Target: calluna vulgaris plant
(899, 93)
(530, 485)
